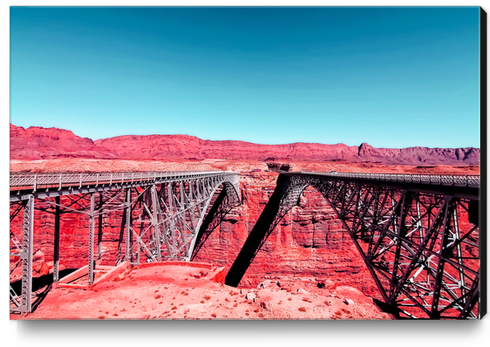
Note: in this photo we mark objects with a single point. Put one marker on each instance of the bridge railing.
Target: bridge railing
(61, 179)
(447, 180)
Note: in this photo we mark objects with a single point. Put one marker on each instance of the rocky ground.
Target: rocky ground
(185, 292)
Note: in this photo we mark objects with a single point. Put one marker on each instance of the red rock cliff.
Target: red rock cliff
(36, 143)
(48, 143)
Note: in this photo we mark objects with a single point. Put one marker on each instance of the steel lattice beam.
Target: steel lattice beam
(26, 255)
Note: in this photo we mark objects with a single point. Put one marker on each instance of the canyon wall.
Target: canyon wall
(308, 245)
(36, 143)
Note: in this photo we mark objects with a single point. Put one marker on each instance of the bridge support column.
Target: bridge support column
(26, 255)
(193, 217)
(91, 241)
(183, 218)
(435, 314)
(99, 234)
(128, 224)
(155, 221)
(56, 257)
(173, 251)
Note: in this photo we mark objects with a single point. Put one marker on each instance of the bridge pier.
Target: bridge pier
(100, 227)
(127, 211)
(26, 255)
(56, 255)
(91, 263)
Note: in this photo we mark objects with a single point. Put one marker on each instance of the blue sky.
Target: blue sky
(391, 77)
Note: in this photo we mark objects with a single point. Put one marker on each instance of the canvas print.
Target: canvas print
(246, 163)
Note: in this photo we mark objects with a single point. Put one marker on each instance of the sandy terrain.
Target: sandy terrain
(184, 292)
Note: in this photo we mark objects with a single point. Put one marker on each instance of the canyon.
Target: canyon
(309, 248)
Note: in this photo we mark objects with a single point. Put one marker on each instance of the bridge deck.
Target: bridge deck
(53, 184)
(446, 180)
(461, 186)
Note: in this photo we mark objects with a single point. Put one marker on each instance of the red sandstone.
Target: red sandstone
(48, 143)
(308, 247)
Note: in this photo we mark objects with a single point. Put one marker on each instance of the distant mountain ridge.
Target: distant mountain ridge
(36, 143)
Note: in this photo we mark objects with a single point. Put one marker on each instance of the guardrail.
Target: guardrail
(472, 181)
(63, 179)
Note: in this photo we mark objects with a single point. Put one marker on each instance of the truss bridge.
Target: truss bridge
(160, 214)
(417, 234)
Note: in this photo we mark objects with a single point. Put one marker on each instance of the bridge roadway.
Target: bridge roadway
(24, 185)
(417, 234)
(170, 209)
(461, 186)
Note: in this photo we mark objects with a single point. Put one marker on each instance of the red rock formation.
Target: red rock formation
(41, 143)
(189, 147)
(418, 155)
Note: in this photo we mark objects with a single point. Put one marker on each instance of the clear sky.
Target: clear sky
(391, 77)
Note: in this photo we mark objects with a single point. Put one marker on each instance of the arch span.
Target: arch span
(227, 199)
(417, 242)
(175, 212)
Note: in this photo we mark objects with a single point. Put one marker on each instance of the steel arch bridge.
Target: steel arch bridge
(169, 207)
(417, 234)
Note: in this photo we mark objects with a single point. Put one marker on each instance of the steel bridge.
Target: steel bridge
(170, 208)
(417, 234)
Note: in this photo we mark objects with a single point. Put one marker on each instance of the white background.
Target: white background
(216, 333)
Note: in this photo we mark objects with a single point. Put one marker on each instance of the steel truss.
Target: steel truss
(161, 217)
(421, 248)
